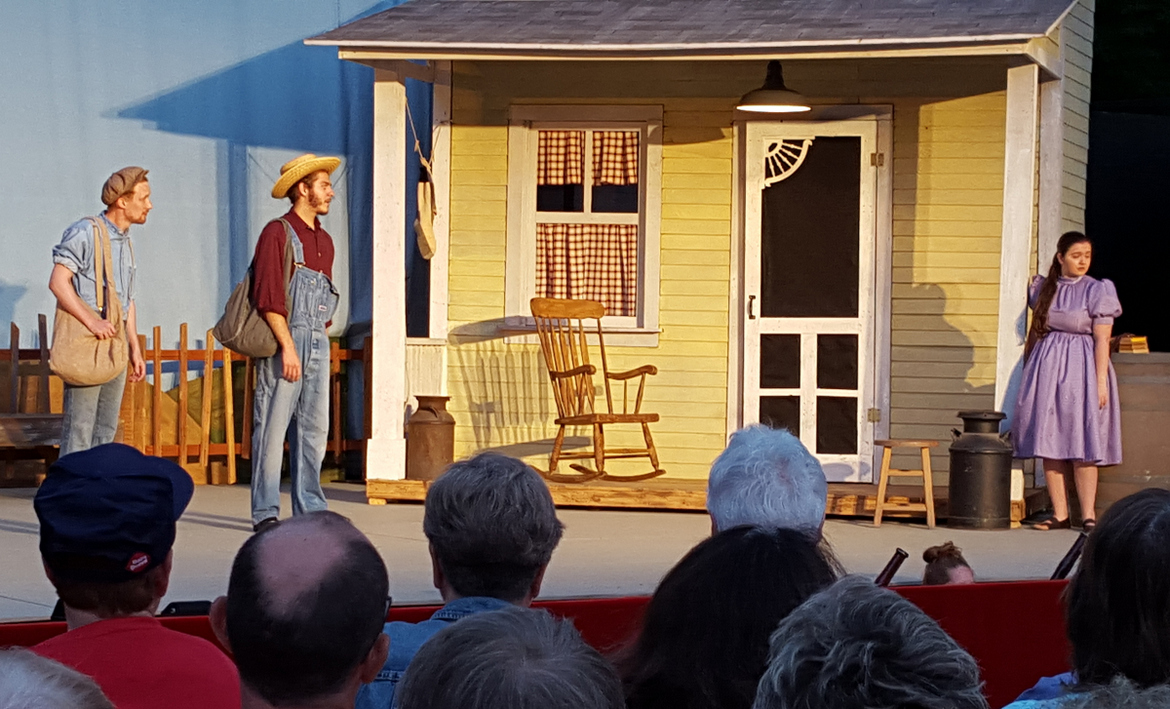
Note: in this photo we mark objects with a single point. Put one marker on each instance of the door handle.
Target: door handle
(751, 307)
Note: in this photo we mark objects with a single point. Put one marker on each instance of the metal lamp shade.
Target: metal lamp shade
(773, 96)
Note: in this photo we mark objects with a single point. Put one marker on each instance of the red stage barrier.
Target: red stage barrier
(1014, 630)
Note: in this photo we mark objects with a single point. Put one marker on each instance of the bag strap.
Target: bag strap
(103, 264)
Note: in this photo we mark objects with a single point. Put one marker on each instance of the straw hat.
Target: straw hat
(297, 169)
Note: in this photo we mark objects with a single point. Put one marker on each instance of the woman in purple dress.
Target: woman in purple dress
(1067, 411)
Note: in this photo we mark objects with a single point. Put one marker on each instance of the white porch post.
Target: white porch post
(386, 452)
(1019, 213)
(1019, 191)
(1051, 168)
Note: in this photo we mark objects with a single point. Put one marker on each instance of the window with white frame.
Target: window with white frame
(584, 199)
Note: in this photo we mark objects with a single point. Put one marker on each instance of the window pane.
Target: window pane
(589, 262)
(560, 171)
(837, 361)
(781, 412)
(809, 235)
(615, 171)
(779, 361)
(837, 424)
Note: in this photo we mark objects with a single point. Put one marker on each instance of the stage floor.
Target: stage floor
(603, 553)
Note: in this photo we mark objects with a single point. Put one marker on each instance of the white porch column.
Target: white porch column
(1019, 212)
(1015, 267)
(1051, 168)
(386, 453)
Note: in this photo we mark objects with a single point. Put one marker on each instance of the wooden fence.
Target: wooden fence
(204, 422)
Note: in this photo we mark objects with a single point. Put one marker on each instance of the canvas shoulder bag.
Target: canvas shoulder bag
(242, 328)
(77, 355)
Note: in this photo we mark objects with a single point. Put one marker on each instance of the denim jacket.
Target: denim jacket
(76, 253)
(405, 641)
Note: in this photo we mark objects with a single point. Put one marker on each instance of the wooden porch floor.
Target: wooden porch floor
(845, 499)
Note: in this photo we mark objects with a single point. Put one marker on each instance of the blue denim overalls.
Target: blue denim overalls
(304, 403)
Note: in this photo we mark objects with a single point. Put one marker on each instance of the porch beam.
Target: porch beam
(402, 68)
(369, 55)
(386, 451)
(1019, 213)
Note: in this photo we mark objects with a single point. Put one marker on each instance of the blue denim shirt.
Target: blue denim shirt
(76, 253)
(405, 641)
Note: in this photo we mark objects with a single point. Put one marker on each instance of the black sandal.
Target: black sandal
(1051, 522)
(1088, 525)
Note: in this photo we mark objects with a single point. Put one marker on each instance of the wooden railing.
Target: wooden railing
(160, 422)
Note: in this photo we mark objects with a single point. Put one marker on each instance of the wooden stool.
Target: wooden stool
(888, 447)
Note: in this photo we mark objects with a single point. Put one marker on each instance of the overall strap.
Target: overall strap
(298, 248)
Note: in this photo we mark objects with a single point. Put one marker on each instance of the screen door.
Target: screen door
(809, 270)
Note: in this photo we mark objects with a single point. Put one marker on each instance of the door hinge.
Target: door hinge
(874, 416)
(877, 159)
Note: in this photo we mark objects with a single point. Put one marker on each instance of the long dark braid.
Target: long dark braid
(1039, 326)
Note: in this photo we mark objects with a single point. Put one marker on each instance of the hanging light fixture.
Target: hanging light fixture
(773, 96)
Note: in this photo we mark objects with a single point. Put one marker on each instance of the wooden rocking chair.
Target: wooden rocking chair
(562, 330)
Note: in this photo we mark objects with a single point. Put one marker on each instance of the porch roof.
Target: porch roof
(617, 29)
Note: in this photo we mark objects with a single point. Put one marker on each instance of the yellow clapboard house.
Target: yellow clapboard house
(853, 272)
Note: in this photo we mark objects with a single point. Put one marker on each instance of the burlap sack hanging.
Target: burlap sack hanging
(424, 223)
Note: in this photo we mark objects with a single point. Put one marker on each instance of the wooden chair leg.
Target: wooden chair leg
(599, 447)
(883, 480)
(651, 450)
(928, 487)
(555, 456)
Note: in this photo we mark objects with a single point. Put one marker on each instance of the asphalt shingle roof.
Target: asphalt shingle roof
(652, 26)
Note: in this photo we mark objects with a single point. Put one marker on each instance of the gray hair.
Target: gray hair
(1121, 694)
(29, 681)
(492, 525)
(515, 658)
(766, 478)
(855, 645)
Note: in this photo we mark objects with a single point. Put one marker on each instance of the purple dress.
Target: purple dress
(1057, 411)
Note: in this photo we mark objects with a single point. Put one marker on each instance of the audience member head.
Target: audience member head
(855, 646)
(107, 519)
(514, 658)
(29, 681)
(492, 527)
(1119, 600)
(704, 637)
(304, 612)
(766, 477)
(945, 565)
(1120, 694)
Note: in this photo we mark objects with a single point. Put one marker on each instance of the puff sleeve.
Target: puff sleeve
(1034, 290)
(1103, 302)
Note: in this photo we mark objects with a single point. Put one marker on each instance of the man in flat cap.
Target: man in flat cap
(91, 412)
(292, 386)
(108, 519)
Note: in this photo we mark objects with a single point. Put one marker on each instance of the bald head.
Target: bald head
(305, 604)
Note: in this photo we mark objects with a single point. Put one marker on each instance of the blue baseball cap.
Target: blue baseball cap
(108, 513)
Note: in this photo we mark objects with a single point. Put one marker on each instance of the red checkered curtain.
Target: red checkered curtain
(589, 262)
(560, 158)
(615, 157)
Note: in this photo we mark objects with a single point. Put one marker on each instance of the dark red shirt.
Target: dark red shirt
(139, 664)
(268, 264)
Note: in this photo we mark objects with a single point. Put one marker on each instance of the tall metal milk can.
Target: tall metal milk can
(430, 438)
(981, 473)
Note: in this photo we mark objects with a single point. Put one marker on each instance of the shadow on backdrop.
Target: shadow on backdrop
(303, 99)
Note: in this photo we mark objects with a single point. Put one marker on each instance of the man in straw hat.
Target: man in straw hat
(292, 386)
(91, 412)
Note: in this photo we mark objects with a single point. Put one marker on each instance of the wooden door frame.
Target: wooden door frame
(882, 115)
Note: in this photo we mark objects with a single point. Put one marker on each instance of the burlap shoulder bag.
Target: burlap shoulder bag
(242, 328)
(77, 355)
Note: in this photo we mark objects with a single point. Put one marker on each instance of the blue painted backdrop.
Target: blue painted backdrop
(212, 97)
